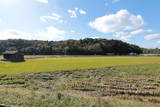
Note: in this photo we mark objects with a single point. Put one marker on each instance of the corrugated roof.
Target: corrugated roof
(10, 52)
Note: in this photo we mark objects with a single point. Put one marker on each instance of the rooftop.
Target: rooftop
(10, 52)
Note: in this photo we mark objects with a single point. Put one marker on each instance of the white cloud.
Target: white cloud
(74, 13)
(123, 36)
(72, 31)
(95, 37)
(158, 42)
(14, 34)
(51, 33)
(157, 45)
(121, 21)
(54, 16)
(42, 1)
(82, 11)
(141, 31)
(123, 25)
(152, 36)
(130, 35)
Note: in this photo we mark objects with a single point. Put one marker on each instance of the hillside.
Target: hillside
(86, 46)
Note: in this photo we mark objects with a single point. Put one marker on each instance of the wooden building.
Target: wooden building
(13, 56)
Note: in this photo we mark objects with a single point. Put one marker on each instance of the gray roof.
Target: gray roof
(10, 52)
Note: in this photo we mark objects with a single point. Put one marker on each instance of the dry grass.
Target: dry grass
(129, 86)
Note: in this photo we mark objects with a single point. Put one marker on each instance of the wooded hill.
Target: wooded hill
(86, 46)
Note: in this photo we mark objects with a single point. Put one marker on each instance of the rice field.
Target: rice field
(119, 86)
(54, 63)
(88, 81)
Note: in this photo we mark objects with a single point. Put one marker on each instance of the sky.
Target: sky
(132, 21)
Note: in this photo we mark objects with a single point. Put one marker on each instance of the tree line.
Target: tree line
(151, 51)
(87, 46)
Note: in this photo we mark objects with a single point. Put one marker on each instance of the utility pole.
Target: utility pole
(65, 51)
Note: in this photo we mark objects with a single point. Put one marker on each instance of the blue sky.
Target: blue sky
(132, 21)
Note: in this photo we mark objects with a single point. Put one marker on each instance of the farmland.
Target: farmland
(88, 81)
(49, 64)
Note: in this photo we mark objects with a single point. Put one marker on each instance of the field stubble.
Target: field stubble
(129, 86)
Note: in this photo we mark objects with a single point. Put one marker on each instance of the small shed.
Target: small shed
(13, 56)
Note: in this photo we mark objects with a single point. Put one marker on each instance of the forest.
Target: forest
(87, 46)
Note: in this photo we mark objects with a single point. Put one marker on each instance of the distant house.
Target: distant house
(133, 54)
(13, 56)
